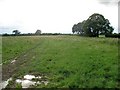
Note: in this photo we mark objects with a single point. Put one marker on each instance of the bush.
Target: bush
(5, 34)
(113, 35)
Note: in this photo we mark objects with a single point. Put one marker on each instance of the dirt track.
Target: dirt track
(10, 69)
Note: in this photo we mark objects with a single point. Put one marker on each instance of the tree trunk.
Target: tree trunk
(97, 33)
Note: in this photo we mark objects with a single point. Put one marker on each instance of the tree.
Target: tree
(77, 28)
(96, 24)
(38, 32)
(74, 28)
(16, 32)
(107, 29)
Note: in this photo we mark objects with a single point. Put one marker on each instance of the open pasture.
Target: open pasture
(66, 61)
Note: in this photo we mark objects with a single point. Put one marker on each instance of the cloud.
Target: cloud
(108, 2)
(9, 28)
(51, 15)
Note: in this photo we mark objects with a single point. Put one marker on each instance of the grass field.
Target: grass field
(67, 61)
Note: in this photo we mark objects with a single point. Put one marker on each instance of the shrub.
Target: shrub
(113, 35)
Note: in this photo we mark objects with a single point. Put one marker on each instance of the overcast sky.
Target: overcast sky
(53, 16)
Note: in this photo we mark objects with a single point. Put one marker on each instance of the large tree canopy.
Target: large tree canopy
(96, 24)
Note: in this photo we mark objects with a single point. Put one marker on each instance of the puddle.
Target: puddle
(45, 82)
(3, 84)
(12, 62)
(29, 77)
(29, 80)
(39, 77)
(25, 83)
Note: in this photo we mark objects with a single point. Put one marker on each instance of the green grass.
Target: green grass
(68, 61)
(0, 49)
(12, 47)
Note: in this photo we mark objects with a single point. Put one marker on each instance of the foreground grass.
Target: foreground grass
(68, 61)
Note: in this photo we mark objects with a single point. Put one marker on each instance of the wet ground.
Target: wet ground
(25, 82)
(10, 69)
(31, 80)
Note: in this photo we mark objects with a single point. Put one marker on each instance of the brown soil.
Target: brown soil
(10, 69)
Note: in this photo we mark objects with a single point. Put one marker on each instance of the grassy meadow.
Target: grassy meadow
(67, 61)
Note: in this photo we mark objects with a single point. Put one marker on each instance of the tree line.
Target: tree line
(94, 26)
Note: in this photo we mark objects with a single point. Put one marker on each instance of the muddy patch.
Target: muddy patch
(31, 80)
(28, 81)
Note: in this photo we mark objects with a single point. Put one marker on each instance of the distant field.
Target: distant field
(67, 61)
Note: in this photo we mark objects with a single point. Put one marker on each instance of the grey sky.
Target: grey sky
(55, 16)
(108, 2)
